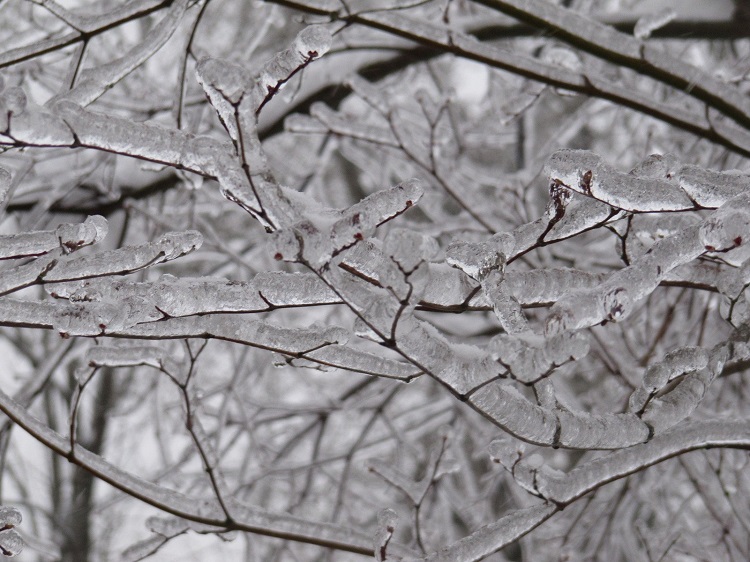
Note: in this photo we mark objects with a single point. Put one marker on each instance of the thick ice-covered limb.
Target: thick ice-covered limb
(225, 84)
(35, 126)
(658, 184)
(200, 154)
(614, 298)
(460, 367)
(506, 306)
(505, 406)
(617, 464)
(675, 363)
(189, 296)
(129, 356)
(311, 43)
(170, 246)
(677, 404)
(478, 259)
(584, 172)
(67, 237)
(724, 230)
(541, 286)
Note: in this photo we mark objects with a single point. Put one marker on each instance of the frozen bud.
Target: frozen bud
(176, 244)
(313, 41)
(725, 230)
(285, 245)
(475, 259)
(74, 236)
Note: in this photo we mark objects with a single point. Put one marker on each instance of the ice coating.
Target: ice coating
(326, 232)
(660, 183)
(479, 259)
(649, 23)
(73, 236)
(492, 537)
(11, 543)
(659, 166)
(530, 362)
(584, 172)
(40, 127)
(709, 188)
(580, 430)
(507, 309)
(123, 260)
(176, 244)
(461, 367)
(94, 82)
(313, 42)
(729, 226)
(615, 297)
(225, 83)
(409, 248)
(6, 180)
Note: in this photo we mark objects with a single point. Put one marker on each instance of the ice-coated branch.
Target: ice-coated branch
(563, 489)
(66, 237)
(724, 230)
(170, 246)
(508, 408)
(656, 185)
(585, 81)
(677, 404)
(88, 25)
(529, 362)
(94, 82)
(187, 296)
(238, 96)
(244, 517)
(493, 537)
(645, 58)
(324, 233)
(11, 543)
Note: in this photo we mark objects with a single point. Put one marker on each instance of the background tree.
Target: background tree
(418, 280)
